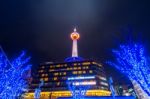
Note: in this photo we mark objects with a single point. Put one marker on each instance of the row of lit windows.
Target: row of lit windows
(73, 72)
(86, 63)
(55, 74)
(71, 78)
(64, 77)
(56, 83)
(97, 64)
(69, 68)
(91, 82)
(102, 78)
(59, 73)
(44, 79)
(65, 65)
(104, 83)
(64, 73)
(81, 72)
(40, 71)
(77, 68)
(54, 78)
(44, 75)
(53, 66)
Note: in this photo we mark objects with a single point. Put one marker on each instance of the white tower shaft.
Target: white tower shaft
(75, 49)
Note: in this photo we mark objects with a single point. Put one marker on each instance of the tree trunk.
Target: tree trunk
(141, 94)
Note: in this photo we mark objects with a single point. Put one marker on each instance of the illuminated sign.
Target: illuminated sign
(84, 83)
(78, 78)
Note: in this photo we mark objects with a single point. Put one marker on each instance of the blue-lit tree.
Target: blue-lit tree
(13, 76)
(78, 90)
(37, 91)
(132, 61)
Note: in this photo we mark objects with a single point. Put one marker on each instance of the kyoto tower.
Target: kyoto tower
(75, 36)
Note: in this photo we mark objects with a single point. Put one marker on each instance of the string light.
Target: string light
(131, 60)
(78, 91)
(13, 76)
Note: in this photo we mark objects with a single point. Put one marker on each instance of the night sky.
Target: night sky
(43, 27)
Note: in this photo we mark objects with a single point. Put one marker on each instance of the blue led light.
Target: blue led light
(73, 59)
(131, 60)
(81, 77)
(13, 76)
(77, 91)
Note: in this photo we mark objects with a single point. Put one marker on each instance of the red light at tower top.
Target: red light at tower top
(75, 35)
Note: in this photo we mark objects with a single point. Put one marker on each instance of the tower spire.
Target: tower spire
(75, 36)
(75, 30)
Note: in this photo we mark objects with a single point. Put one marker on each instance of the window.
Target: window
(79, 67)
(70, 68)
(43, 75)
(87, 67)
(99, 65)
(58, 83)
(51, 70)
(86, 63)
(74, 72)
(84, 72)
(55, 78)
(75, 64)
(56, 74)
(75, 68)
(79, 72)
(58, 65)
(90, 71)
(40, 71)
(65, 65)
(103, 83)
(46, 79)
(64, 73)
(94, 62)
(51, 66)
(102, 78)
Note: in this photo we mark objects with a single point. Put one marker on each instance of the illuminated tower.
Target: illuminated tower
(75, 36)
